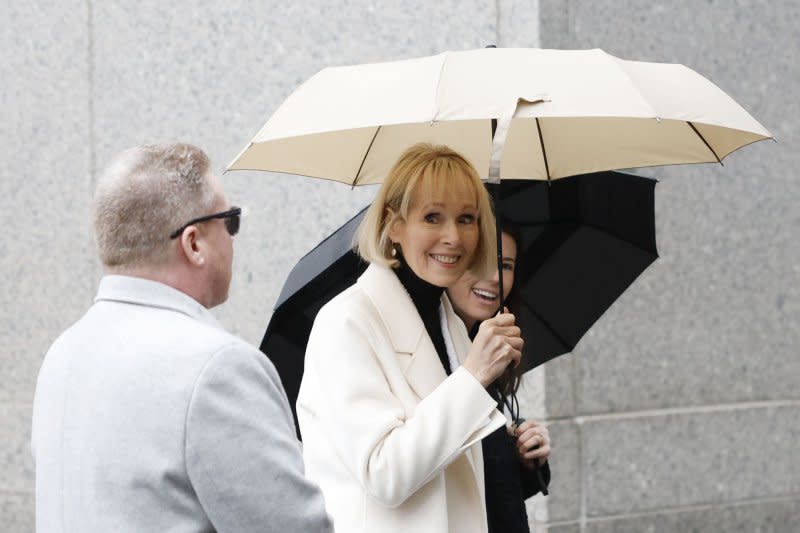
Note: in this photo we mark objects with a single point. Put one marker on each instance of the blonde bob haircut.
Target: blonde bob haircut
(425, 171)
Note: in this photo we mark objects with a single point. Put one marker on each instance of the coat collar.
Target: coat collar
(407, 331)
(141, 291)
(394, 306)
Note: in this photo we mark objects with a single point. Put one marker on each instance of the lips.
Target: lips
(487, 296)
(446, 259)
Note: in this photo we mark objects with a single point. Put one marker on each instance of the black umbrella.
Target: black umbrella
(584, 240)
(321, 274)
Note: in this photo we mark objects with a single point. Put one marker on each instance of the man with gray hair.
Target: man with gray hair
(148, 416)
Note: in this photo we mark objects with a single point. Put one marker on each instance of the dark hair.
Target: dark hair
(509, 381)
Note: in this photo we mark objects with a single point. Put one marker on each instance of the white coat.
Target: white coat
(393, 441)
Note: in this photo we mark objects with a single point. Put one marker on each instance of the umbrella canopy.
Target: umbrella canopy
(584, 240)
(562, 112)
(321, 274)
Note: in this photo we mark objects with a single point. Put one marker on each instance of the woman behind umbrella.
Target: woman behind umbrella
(510, 455)
(393, 402)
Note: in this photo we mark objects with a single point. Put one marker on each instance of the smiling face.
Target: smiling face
(476, 299)
(440, 233)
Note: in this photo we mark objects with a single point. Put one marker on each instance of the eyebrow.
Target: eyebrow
(440, 204)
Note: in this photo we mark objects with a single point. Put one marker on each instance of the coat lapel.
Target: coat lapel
(408, 335)
(405, 327)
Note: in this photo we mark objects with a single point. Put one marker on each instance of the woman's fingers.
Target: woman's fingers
(503, 319)
(516, 342)
(497, 345)
(525, 426)
(499, 331)
(539, 454)
(515, 357)
(533, 442)
(511, 346)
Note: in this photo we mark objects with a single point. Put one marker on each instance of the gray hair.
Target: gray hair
(144, 194)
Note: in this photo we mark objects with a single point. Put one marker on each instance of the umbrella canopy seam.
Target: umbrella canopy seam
(363, 159)
(689, 122)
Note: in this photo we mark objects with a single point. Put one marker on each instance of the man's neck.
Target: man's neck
(174, 276)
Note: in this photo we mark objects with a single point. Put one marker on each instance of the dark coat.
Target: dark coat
(509, 484)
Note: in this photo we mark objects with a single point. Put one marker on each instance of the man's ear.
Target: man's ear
(191, 246)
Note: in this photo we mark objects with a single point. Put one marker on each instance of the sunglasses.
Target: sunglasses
(232, 218)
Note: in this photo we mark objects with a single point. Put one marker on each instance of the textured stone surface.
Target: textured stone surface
(218, 87)
(531, 394)
(717, 318)
(16, 461)
(564, 500)
(560, 374)
(715, 321)
(518, 23)
(17, 512)
(659, 462)
(565, 528)
(555, 29)
(761, 517)
(46, 252)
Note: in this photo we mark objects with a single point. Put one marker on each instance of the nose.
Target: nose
(452, 233)
(496, 276)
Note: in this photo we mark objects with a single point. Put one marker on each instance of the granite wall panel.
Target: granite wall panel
(218, 88)
(17, 512)
(16, 461)
(46, 254)
(716, 319)
(781, 516)
(714, 323)
(667, 461)
(565, 501)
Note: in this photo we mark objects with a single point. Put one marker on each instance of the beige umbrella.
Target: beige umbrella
(558, 113)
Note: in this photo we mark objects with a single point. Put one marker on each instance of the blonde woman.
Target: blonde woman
(393, 401)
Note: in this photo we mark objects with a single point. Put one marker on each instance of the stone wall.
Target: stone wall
(679, 408)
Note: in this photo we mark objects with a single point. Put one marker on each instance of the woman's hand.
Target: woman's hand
(497, 344)
(533, 443)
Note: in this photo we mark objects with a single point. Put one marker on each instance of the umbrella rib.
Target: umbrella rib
(704, 142)
(366, 153)
(544, 152)
(547, 325)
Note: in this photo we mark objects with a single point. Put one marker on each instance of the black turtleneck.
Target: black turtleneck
(427, 298)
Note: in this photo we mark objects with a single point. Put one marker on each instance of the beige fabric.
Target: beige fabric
(595, 112)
